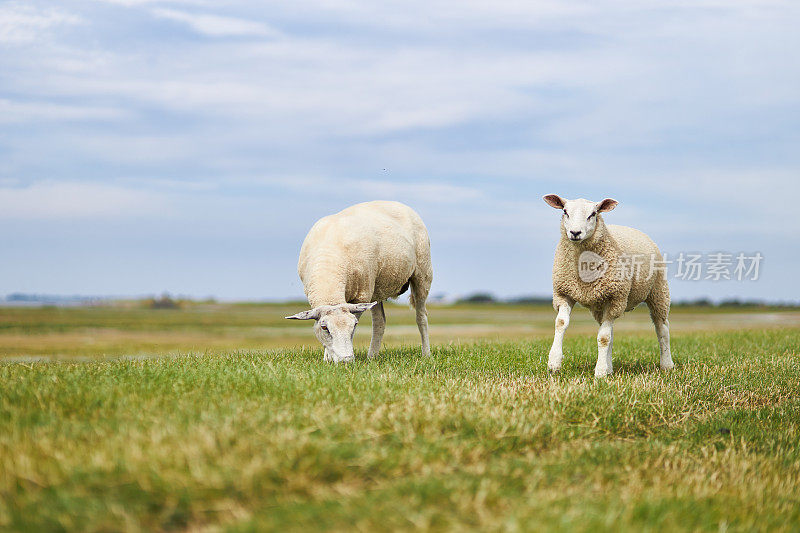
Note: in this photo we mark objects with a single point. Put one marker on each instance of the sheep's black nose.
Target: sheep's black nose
(575, 233)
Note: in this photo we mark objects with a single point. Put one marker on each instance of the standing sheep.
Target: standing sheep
(355, 259)
(590, 268)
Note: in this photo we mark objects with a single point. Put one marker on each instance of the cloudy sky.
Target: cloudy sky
(188, 146)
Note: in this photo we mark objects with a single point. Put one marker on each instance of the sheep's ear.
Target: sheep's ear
(311, 314)
(357, 309)
(554, 200)
(607, 205)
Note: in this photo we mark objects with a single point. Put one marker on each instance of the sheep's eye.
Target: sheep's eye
(324, 327)
(566, 214)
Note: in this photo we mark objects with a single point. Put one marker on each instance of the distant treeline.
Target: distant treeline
(48, 298)
(486, 297)
(167, 301)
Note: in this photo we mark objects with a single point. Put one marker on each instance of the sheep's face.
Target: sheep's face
(579, 218)
(334, 327)
(335, 330)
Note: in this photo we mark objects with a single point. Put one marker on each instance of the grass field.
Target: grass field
(135, 419)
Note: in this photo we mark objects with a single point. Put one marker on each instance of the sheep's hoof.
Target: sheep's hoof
(552, 369)
(602, 373)
(667, 366)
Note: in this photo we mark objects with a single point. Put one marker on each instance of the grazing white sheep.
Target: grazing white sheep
(596, 265)
(355, 259)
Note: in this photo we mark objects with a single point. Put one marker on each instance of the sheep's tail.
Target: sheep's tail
(417, 297)
(412, 301)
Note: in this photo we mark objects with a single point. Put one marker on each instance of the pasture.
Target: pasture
(224, 417)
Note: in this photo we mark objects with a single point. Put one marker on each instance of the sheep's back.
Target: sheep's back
(637, 243)
(373, 246)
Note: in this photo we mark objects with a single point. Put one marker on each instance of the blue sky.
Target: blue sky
(188, 146)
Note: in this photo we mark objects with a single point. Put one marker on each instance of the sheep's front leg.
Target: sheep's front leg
(378, 327)
(557, 351)
(605, 342)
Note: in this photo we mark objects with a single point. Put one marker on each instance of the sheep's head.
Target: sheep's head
(580, 216)
(334, 327)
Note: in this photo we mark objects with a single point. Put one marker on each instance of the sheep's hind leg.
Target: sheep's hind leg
(605, 343)
(556, 350)
(378, 327)
(418, 297)
(422, 324)
(659, 311)
(662, 332)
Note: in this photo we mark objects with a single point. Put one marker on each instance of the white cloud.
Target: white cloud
(215, 25)
(627, 88)
(131, 148)
(435, 193)
(140, 3)
(20, 112)
(24, 24)
(427, 192)
(49, 200)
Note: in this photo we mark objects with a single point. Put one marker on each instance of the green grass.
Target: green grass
(478, 436)
(128, 329)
